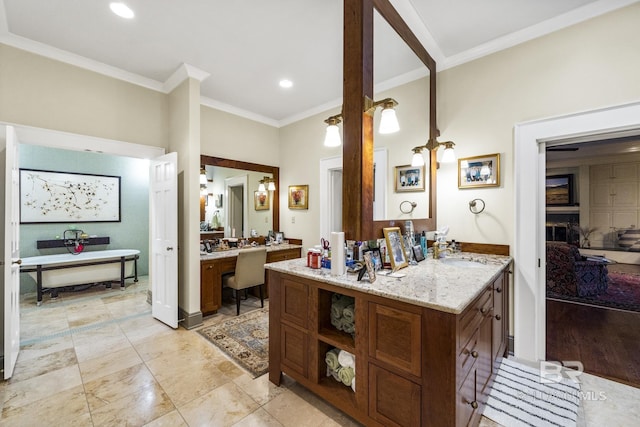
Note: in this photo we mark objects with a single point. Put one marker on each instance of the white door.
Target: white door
(163, 222)
(11, 253)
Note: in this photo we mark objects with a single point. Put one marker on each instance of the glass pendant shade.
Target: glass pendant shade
(332, 137)
(271, 186)
(417, 159)
(388, 121)
(448, 155)
(261, 187)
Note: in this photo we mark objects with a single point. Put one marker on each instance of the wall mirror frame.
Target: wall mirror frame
(357, 201)
(253, 167)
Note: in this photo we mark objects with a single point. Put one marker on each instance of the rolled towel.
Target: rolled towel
(348, 327)
(337, 322)
(331, 359)
(336, 375)
(346, 375)
(353, 384)
(349, 312)
(335, 297)
(346, 359)
(338, 307)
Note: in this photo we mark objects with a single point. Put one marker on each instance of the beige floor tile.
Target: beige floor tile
(223, 406)
(143, 328)
(260, 389)
(179, 341)
(26, 369)
(97, 342)
(258, 418)
(22, 393)
(607, 403)
(126, 382)
(66, 407)
(40, 329)
(44, 347)
(292, 410)
(108, 363)
(138, 409)
(172, 419)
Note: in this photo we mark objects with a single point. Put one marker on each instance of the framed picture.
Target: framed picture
(395, 247)
(261, 200)
(376, 257)
(63, 197)
(479, 171)
(298, 197)
(370, 266)
(559, 190)
(279, 236)
(417, 253)
(410, 178)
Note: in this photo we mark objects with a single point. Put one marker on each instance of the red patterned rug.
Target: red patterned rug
(622, 293)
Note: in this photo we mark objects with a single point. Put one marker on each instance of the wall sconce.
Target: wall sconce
(388, 120)
(203, 181)
(267, 183)
(448, 156)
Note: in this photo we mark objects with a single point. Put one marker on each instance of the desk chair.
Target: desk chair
(249, 272)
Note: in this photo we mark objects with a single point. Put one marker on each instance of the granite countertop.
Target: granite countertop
(448, 285)
(234, 252)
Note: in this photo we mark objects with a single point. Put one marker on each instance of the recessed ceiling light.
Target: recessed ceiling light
(286, 83)
(122, 10)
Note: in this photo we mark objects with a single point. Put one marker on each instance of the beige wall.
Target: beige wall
(41, 92)
(590, 65)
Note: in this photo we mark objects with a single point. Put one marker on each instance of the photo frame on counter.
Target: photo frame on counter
(64, 197)
(410, 178)
(417, 253)
(479, 171)
(298, 197)
(369, 265)
(261, 200)
(395, 247)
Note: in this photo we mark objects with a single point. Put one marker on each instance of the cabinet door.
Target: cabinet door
(499, 320)
(209, 295)
(294, 349)
(294, 303)
(600, 173)
(625, 171)
(625, 194)
(393, 400)
(394, 337)
(484, 364)
(601, 194)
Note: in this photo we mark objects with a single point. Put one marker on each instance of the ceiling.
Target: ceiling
(242, 48)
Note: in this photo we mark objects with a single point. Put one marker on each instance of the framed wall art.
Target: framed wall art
(261, 200)
(298, 197)
(63, 197)
(410, 178)
(559, 190)
(479, 171)
(395, 247)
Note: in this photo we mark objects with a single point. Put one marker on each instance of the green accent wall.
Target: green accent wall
(132, 232)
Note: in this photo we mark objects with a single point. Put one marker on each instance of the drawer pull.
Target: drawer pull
(498, 290)
(210, 267)
(498, 317)
(484, 310)
(474, 404)
(474, 354)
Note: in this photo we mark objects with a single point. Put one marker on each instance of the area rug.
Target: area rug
(519, 398)
(245, 339)
(623, 293)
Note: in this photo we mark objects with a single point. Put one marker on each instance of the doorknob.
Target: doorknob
(169, 248)
(19, 262)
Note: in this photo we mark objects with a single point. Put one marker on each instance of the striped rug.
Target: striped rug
(518, 398)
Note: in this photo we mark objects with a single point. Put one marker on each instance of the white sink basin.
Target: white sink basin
(463, 263)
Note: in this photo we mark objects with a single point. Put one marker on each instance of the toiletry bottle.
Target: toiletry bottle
(423, 243)
(442, 247)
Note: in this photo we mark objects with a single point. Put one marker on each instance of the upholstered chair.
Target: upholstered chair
(569, 273)
(249, 272)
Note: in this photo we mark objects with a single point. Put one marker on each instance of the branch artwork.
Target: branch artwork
(63, 197)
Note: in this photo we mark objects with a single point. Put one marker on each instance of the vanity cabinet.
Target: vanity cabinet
(415, 366)
(211, 271)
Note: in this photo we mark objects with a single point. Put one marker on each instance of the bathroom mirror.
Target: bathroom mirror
(232, 205)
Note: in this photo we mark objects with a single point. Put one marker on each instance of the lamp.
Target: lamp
(388, 120)
(332, 137)
(203, 181)
(448, 156)
(267, 183)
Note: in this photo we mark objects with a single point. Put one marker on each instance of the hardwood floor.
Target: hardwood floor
(606, 341)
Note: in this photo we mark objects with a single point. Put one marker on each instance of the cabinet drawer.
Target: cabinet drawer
(467, 357)
(471, 318)
(465, 400)
(393, 399)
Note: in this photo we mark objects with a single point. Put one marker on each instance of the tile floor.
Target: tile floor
(98, 358)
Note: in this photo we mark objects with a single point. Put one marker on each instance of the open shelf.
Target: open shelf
(326, 331)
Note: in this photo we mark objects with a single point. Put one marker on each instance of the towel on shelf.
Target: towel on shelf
(334, 374)
(335, 297)
(338, 307)
(346, 375)
(348, 327)
(346, 360)
(349, 312)
(331, 359)
(353, 384)
(338, 323)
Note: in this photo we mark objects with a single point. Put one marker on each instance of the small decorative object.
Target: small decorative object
(585, 232)
(479, 171)
(395, 247)
(376, 257)
(62, 197)
(418, 253)
(261, 200)
(410, 178)
(370, 267)
(298, 197)
(279, 237)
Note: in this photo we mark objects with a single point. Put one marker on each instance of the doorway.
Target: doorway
(235, 210)
(236, 206)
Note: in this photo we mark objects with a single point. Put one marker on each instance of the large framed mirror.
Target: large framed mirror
(233, 204)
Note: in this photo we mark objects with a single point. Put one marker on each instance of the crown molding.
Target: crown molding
(584, 13)
(415, 23)
(184, 71)
(217, 105)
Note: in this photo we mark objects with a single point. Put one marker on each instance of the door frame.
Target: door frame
(529, 243)
(236, 181)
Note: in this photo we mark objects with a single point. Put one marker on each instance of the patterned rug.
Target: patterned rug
(622, 293)
(519, 399)
(245, 339)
